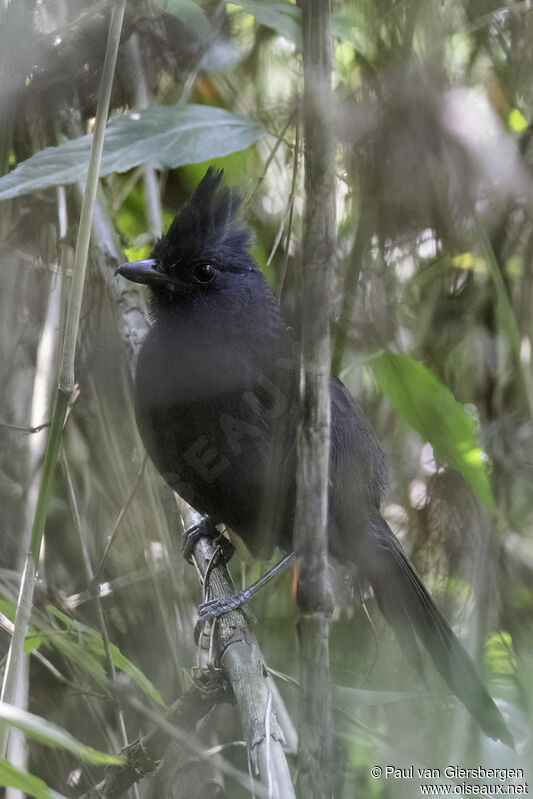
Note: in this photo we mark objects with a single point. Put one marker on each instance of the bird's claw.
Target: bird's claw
(206, 528)
(192, 534)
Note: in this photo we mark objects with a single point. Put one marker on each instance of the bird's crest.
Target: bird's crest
(207, 225)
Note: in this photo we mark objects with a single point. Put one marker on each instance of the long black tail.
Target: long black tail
(410, 611)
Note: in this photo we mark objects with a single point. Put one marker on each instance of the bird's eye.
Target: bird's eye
(204, 273)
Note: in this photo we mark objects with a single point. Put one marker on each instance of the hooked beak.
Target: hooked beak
(143, 272)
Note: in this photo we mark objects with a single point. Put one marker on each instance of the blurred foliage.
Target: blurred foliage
(28, 783)
(432, 330)
(430, 409)
(50, 734)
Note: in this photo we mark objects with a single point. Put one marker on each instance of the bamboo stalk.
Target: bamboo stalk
(43, 386)
(66, 370)
(311, 524)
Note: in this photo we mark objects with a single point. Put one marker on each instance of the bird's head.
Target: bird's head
(204, 250)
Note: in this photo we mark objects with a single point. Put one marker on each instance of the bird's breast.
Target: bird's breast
(220, 430)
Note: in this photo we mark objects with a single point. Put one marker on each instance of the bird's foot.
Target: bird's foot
(191, 536)
(222, 604)
(206, 528)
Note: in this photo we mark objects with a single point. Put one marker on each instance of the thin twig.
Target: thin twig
(283, 273)
(268, 713)
(248, 199)
(20, 429)
(218, 20)
(141, 100)
(108, 587)
(122, 513)
(89, 576)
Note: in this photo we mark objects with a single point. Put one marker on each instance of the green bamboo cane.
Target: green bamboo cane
(66, 370)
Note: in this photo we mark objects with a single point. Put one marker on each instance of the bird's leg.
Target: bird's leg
(223, 604)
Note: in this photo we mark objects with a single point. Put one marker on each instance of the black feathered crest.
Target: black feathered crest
(208, 226)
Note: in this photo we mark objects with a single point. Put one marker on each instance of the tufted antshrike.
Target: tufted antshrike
(216, 396)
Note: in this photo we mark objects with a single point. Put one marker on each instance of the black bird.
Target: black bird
(216, 396)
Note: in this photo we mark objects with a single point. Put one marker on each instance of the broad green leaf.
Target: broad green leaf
(163, 137)
(27, 783)
(92, 640)
(430, 408)
(190, 14)
(347, 27)
(50, 734)
(284, 18)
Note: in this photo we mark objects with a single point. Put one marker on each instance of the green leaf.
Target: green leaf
(8, 609)
(284, 18)
(138, 253)
(163, 137)
(92, 640)
(190, 14)
(498, 656)
(34, 639)
(430, 408)
(29, 785)
(139, 678)
(49, 734)
(345, 27)
(74, 650)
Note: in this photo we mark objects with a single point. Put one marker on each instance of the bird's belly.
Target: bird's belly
(227, 461)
